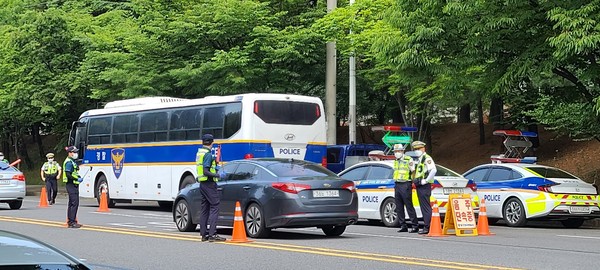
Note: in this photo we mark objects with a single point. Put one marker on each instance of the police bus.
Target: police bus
(145, 148)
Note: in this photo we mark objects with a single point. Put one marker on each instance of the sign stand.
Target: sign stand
(460, 216)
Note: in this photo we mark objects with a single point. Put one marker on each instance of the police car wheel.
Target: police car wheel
(255, 222)
(514, 213)
(183, 219)
(333, 230)
(389, 216)
(103, 185)
(16, 204)
(572, 223)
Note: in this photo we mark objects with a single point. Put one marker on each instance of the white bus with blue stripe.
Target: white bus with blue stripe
(145, 148)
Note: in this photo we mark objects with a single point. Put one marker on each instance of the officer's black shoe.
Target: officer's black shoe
(216, 238)
(50, 203)
(403, 229)
(204, 238)
(424, 232)
(413, 230)
(75, 225)
(53, 201)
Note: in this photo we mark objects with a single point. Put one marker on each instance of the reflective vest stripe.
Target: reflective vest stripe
(420, 170)
(200, 165)
(50, 168)
(402, 169)
(75, 172)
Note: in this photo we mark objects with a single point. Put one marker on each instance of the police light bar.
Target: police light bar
(503, 159)
(400, 128)
(515, 133)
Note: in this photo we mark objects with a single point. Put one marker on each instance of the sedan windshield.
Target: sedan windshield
(297, 170)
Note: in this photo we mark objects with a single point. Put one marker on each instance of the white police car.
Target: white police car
(517, 192)
(375, 190)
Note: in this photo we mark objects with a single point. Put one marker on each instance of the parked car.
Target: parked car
(375, 189)
(24, 253)
(12, 186)
(275, 193)
(340, 157)
(517, 192)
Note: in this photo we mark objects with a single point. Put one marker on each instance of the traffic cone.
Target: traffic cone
(239, 230)
(103, 202)
(435, 228)
(43, 198)
(483, 227)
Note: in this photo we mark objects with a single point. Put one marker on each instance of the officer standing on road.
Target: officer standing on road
(72, 179)
(404, 167)
(210, 198)
(50, 173)
(2, 157)
(424, 173)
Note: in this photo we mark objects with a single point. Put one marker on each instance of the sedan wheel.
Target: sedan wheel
(573, 223)
(183, 218)
(389, 216)
(514, 213)
(255, 222)
(14, 205)
(334, 230)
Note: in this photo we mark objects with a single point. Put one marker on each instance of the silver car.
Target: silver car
(12, 186)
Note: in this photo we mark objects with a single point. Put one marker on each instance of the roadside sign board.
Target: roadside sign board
(460, 216)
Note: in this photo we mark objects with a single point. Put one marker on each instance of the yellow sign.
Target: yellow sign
(460, 216)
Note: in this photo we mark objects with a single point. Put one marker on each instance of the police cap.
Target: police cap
(71, 149)
(207, 138)
(418, 144)
(50, 155)
(398, 147)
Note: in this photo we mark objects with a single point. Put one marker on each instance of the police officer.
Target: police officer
(2, 158)
(404, 167)
(50, 173)
(209, 199)
(72, 179)
(424, 172)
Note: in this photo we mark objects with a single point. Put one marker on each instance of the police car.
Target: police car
(375, 189)
(517, 192)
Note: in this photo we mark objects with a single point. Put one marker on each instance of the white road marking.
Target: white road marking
(133, 216)
(422, 238)
(577, 236)
(159, 215)
(128, 225)
(169, 225)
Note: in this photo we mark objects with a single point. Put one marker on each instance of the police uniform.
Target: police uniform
(424, 176)
(403, 168)
(209, 195)
(72, 179)
(50, 172)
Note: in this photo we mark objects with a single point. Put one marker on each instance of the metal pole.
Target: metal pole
(330, 84)
(352, 98)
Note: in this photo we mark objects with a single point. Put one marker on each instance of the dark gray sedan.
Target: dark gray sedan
(275, 193)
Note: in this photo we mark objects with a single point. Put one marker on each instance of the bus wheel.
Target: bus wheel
(187, 180)
(103, 185)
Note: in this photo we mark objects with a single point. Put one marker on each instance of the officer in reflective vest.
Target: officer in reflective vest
(50, 173)
(72, 179)
(424, 177)
(209, 195)
(404, 167)
(2, 157)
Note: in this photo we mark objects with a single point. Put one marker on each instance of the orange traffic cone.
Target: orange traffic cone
(435, 228)
(239, 230)
(43, 198)
(483, 227)
(103, 202)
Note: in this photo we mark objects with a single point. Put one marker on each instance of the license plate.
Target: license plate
(326, 193)
(580, 210)
(448, 191)
(4, 182)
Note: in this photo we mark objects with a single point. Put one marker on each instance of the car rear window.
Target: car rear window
(441, 171)
(551, 172)
(297, 170)
(5, 167)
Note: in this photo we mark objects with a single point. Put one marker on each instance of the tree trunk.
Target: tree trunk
(35, 135)
(464, 113)
(497, 112)
(22, 152)
(480, 119)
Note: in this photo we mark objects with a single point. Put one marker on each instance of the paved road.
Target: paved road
(142, 236)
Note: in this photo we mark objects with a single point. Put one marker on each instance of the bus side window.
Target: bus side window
(154, 126)
(99, 130)
(185, 124)
(213, 121)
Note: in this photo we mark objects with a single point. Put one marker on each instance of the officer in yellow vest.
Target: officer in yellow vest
(424, 176)
(2, 157)
(72, 179)
(210, 198)
(404, 167)
(50, 173)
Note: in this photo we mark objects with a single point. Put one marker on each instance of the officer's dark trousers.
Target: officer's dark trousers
(209, 203)
(73, 205)
(403, 196)
(51, 187)
(424, 194)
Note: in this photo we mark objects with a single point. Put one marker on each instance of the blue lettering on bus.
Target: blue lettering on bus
(491, 198)
(372, 199)
(288, 151)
